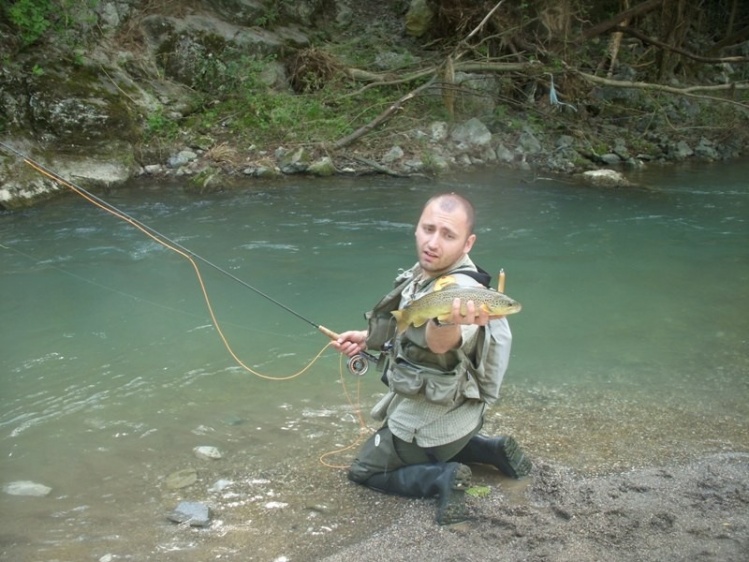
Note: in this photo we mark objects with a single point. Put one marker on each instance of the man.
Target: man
(435, 407)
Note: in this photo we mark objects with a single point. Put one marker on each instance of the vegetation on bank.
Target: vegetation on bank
(590, 69)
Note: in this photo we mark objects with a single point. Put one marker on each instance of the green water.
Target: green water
(631, 348)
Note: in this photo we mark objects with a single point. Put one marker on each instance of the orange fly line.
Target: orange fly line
(354, 401)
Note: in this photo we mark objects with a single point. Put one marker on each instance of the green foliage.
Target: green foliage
(31, 17)
(479, 491)
(160, 126)
(66, 18)
(270, 16)
(235, 96)
(260, 116)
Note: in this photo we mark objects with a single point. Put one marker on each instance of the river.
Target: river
(631, 349)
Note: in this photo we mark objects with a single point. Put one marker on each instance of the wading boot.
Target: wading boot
(448, 481)
(502, 452)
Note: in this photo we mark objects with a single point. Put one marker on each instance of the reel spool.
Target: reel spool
(358, 365)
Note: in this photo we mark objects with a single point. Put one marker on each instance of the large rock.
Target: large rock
(74, 106)
(105, 164)
(471, 134)
(606, 178)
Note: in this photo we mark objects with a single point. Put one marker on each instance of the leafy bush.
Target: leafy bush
(31, 17)
(68, 18)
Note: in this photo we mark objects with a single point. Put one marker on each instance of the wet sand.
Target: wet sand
(621, 480)
(696, 511)
(613, 479)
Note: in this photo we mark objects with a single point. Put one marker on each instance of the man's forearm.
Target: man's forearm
(442, 338)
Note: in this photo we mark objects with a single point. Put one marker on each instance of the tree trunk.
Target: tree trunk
(673, 31)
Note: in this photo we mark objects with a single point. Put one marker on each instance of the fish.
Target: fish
(438, 304)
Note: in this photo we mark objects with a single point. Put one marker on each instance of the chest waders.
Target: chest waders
(448, 481)
(445, 480)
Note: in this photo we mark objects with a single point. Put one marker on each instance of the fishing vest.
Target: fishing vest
(412, 370)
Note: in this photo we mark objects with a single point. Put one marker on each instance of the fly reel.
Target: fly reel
(358, 365)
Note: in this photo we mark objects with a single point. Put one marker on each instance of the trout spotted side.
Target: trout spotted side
(439, 304)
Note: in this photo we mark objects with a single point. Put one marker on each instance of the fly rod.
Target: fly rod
(356, 365)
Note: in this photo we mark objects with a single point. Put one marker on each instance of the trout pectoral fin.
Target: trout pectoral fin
(445, 318)
(401, 320)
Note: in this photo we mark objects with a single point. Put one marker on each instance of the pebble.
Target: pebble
(220, 485)
(276, 505)
(26, 488)
(205, 452)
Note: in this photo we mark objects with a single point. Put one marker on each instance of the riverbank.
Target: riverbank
(694, 511)
(218, 94)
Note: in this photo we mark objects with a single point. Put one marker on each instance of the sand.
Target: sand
(694, 511)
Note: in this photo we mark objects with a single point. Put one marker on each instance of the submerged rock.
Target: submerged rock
(196, 514)
(181, 479)
(205, 452)
(221, 485)
(26, 488)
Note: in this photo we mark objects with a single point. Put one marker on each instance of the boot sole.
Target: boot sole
(517, 464)
(452, 508)
(462, 478)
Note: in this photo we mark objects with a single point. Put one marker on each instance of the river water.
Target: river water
(631, 349)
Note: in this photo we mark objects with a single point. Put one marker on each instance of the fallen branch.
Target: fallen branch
(381, 118)
(449, 77)
(690, 91)
(387, 79)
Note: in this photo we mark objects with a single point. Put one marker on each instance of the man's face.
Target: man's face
(442, 236)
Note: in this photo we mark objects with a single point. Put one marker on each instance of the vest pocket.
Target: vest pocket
(435, 386)
(442, 389)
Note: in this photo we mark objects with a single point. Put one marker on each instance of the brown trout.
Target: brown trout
(438, 304)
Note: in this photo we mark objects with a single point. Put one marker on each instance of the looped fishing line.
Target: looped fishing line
(356, 405)
(122, 216)
(162, 240)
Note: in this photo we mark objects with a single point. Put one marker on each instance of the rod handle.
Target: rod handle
(501, 282)
(330, 333)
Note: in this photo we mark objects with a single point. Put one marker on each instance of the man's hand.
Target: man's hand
(443, 338)
(473, 314)
(352, 342)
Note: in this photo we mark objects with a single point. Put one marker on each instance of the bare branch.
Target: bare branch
(690, 91)
(710, 60)
(381, 118)
(483, 21)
